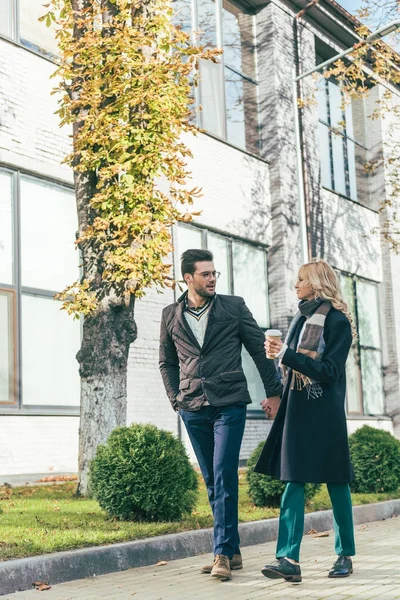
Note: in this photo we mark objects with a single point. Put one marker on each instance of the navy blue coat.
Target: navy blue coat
(308, 440)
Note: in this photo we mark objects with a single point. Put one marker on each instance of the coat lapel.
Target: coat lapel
(184, 325)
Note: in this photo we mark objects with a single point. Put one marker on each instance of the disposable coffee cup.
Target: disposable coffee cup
(272, 334)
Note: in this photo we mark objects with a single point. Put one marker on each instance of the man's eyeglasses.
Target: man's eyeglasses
(209, 275)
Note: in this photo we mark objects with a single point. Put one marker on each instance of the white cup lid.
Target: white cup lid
(273, 332)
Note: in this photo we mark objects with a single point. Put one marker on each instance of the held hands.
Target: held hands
(270, 406)
(273, 346)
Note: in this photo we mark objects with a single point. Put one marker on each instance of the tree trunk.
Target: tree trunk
(103, 359)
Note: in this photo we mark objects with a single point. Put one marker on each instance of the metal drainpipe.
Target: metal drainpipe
(303, 205)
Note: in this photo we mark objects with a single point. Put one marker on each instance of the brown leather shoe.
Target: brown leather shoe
(235, 564)
(221, 569)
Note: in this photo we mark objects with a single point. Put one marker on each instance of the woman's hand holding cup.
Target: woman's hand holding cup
(273, 343)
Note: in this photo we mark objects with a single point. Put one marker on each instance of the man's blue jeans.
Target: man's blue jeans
(216, 434)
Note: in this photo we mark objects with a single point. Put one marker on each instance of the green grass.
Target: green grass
(49, 518)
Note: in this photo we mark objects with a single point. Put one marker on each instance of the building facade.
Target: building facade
(253, 218)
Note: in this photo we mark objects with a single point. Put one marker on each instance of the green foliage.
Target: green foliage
(375, 455)
(143, 473)
(125, 83)
(267, 491)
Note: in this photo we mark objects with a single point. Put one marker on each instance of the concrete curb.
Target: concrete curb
(18, 575)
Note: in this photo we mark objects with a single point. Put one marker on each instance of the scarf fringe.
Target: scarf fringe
(312, 387)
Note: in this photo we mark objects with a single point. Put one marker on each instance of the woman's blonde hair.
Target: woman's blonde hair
(323, 280)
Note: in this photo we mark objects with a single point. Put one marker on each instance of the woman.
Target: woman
(308, 440)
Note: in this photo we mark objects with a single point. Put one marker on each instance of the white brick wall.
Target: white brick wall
(38, 444)
(30, 137)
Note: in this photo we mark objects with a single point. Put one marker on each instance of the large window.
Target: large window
(342, 143)
(243, 268)
(38, 369)
(228, 91)
(19, 20)
(365, 394)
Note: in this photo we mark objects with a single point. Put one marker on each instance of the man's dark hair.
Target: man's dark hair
(191, 257)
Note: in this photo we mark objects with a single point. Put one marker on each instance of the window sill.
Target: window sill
(33, 49)
(39, 411)
(374, 210)
(257, 415)
(247, 152)
(358, 417)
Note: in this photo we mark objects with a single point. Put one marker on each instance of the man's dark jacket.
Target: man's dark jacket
(213, 372)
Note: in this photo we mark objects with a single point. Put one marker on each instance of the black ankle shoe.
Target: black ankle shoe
(284, 569)
(343, 567)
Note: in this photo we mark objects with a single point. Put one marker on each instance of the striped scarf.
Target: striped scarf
(312, 343)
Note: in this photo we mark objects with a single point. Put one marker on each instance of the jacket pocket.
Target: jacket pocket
(184, 384)
(233, 376)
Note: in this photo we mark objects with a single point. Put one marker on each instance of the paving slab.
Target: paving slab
(376, 575)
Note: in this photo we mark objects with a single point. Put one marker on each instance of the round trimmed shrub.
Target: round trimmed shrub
(267, 491)
(375, 455)
(143, 473)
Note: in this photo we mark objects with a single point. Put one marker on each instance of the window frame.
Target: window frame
(359, 347)
(246, 8)
(10, 292)
(252, 413)
(15, 37)
(18, 407)
(345, 137)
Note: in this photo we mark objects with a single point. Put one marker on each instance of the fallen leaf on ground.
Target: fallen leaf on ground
(58, 478)
(322, 534)
(41, 586)
(312, 531)
(161, 563)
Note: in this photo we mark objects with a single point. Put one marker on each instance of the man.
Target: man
(200, 362)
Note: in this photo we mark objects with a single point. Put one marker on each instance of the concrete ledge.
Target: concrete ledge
(18, 575)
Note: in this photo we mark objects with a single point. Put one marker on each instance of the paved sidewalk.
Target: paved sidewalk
(376, 575)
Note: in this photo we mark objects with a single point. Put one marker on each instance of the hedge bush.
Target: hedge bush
(143, 473)
(267, 491)
(375, 455)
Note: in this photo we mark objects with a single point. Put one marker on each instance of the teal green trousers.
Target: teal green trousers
(291, 520)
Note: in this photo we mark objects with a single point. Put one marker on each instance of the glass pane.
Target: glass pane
(353, 383)
(6, 17)
(6, 237)
(325, 156)
(322, 99)
(49, 259)
(187, 237)
(238, 39)
(33, 31)
(339, 172)
(335, 105)
(368, 314)
(212, 98)
(351, 165)
(349, 119)
(182, 14)
(50, 341)
(219, 247)
(241, 112)
(254, 382)
(347, 285)
(7, 347)
(207, 23)
(250, 280)
(372, 382)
